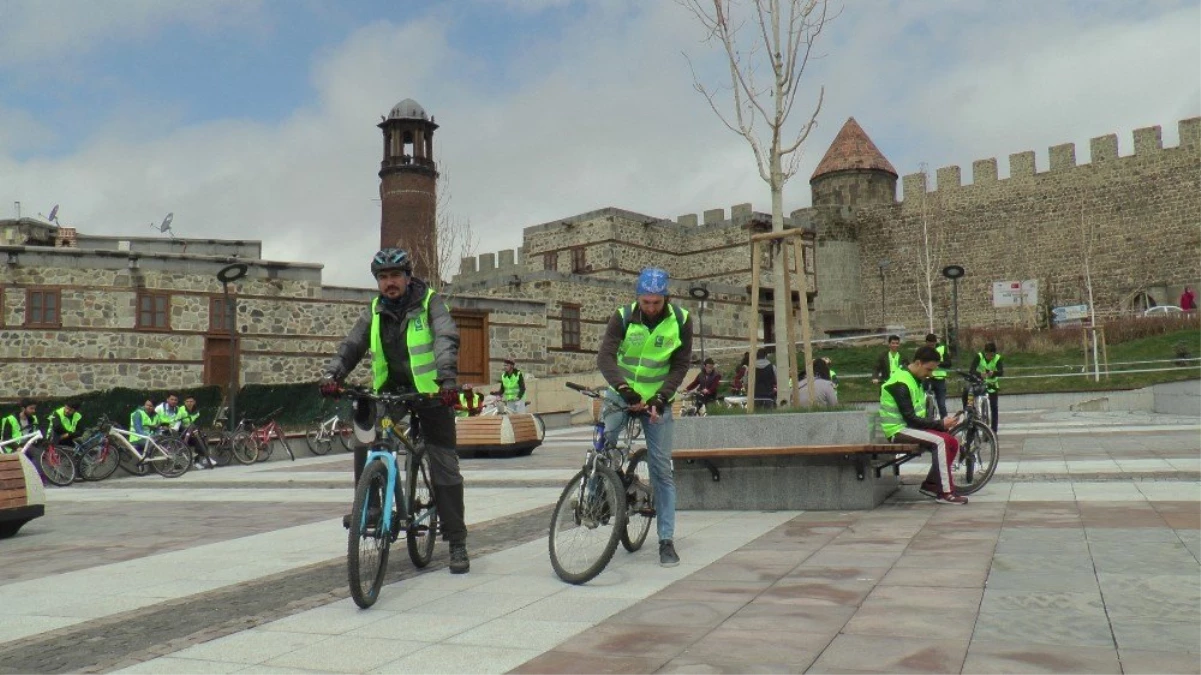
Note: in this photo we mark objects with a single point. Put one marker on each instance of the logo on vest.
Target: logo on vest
(418, 324)
(659, 341)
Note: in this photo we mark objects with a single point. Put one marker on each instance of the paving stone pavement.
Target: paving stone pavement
(1081, 556)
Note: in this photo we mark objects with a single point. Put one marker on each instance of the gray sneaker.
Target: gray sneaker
(667, 554)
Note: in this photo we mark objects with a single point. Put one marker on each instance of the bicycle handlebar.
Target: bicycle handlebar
(390, 399)
(587, 391)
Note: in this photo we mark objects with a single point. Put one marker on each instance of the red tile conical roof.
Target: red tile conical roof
(852, 149)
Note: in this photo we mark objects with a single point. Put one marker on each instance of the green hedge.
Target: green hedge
(301, 403)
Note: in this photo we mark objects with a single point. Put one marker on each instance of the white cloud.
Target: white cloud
(602, 114)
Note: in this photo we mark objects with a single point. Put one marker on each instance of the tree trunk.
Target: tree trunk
(780, 294)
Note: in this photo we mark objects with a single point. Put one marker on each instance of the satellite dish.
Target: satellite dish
(53, 214)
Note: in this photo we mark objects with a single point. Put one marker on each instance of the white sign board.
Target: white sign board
(1015, 293)
(1069, 313)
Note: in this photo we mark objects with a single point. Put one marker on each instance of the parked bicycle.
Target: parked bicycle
(609, 500)
(96, 457)
(976, 462)
(693, 404)
(266, 431)
(384, 507)
(164, 453)
(56, 461)
(323, 432)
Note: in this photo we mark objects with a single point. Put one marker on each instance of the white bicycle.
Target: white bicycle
(168, 455)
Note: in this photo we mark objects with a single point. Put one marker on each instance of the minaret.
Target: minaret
(408, 178)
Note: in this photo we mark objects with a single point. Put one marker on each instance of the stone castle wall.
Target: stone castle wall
(1144, 211)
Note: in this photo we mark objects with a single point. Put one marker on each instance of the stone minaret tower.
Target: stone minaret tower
(408, 176)
(853, 172)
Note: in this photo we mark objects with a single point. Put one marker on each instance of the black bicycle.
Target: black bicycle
(976, 462)
(611, 499)
(384, 506)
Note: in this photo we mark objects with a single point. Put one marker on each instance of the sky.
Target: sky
(257, 120)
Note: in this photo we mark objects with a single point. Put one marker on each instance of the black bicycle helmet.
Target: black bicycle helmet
(391, 259)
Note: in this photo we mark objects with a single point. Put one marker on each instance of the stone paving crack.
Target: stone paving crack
(125, 639)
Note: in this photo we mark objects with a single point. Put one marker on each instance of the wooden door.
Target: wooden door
(219, 362)
(473, 346)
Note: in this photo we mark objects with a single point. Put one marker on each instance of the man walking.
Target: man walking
(512, 387)
(889, 362)
(938, 378)
(644, 357)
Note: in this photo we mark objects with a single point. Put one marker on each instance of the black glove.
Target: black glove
(657, 404)
(329, 386)
(630, 396)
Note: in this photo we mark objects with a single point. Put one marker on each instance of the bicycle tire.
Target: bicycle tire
(263, 448)
(100, 462)
(179, 458)
(979, 452)
(345, 432)
(640, 496)
(244, 448)
(317, 439)
(221, 449)
(57, 466)
(984, 407)
(367, 547)
(131, 464)
(592, 502)
(422, 534)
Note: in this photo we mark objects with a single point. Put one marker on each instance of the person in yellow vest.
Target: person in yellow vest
(644, 356)
(890, 361)
(470, 402)
(63, 427)
(185, 420)
(16, 425)
(938, 378)
(903, 420)
(142, 423)
(512, 387)
(414, 344)
(988, 363)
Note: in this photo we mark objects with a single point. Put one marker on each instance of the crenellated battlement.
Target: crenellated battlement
(1103, 150)
(485, 264)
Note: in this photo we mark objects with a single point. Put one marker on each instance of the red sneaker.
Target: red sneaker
(951, 498)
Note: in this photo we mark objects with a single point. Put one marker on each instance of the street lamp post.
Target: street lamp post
(884, 265)
(701, 294)
(954, 273)
(227, 275)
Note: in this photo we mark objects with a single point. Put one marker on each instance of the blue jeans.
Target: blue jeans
(658, 446)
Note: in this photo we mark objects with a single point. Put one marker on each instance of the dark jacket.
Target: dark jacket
(883, 371)
(707, 383)
(606, 358)
(393, 327)
(765, 380)
(900, 394)
(999, 372)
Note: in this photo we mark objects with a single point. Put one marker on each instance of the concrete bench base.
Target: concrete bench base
(782, 483)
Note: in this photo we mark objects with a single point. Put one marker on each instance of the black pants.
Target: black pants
(992, 408)
(939, 387)
(196, 440)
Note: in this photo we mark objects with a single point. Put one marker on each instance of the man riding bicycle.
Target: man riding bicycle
(415, 348)
(644, 357)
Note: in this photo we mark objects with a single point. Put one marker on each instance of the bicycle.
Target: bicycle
(56, 463)
(694, 405)
(22, 444)
(611, 499)
(95, 456)
(265, 432)
(976, 462)
(321, 434)
(167, 455)
(384, 508)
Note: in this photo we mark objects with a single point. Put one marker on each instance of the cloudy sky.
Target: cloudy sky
(257, 119)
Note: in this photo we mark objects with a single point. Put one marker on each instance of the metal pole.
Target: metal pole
(882, 324)
(702, 312)
(231, 317)
(955, 315)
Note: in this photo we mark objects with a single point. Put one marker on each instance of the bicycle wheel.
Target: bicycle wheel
(344, 431)
(177, 461)
(57, 466)
(221, 448)
(422, 534)
(976, 462)
(367, 543)
(640, 502)
(984, 406)
(318, 438)
(263, 447)
(244, 448)
(99, 462)
(586, 525)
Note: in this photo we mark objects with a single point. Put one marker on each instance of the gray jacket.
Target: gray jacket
(393, 335)
(615, 332)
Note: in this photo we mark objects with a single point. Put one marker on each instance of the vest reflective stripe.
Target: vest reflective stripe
(994, 382)
(939, 373)
(68, 425)
(891, 419)
(509, 385)
(419, 338)
(147, 421)
(644, 356)
(894, 363)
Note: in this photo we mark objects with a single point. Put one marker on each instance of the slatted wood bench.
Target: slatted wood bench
(518, 433)
(21, 495)
(789, 477)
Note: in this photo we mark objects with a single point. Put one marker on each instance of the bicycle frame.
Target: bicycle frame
(124, 439)
(25, 442)
(387, 450)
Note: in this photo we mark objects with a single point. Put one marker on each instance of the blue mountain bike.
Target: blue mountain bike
(387, 504)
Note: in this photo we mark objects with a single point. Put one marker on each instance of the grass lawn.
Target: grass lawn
(854, 366)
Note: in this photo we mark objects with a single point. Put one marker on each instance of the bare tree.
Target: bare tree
(1088, 235)
(453, 234)
(783, 40)
(933, 241)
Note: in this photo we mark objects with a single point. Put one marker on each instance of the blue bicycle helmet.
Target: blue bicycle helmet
(391, 259)
(652, 281)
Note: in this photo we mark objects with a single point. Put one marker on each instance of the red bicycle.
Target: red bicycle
(263, 435)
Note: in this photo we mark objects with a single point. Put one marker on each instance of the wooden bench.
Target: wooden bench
(789, 477)
(518, 433)
(21, 496)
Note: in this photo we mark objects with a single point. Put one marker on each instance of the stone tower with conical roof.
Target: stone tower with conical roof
(407, 188)
(853, 172)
